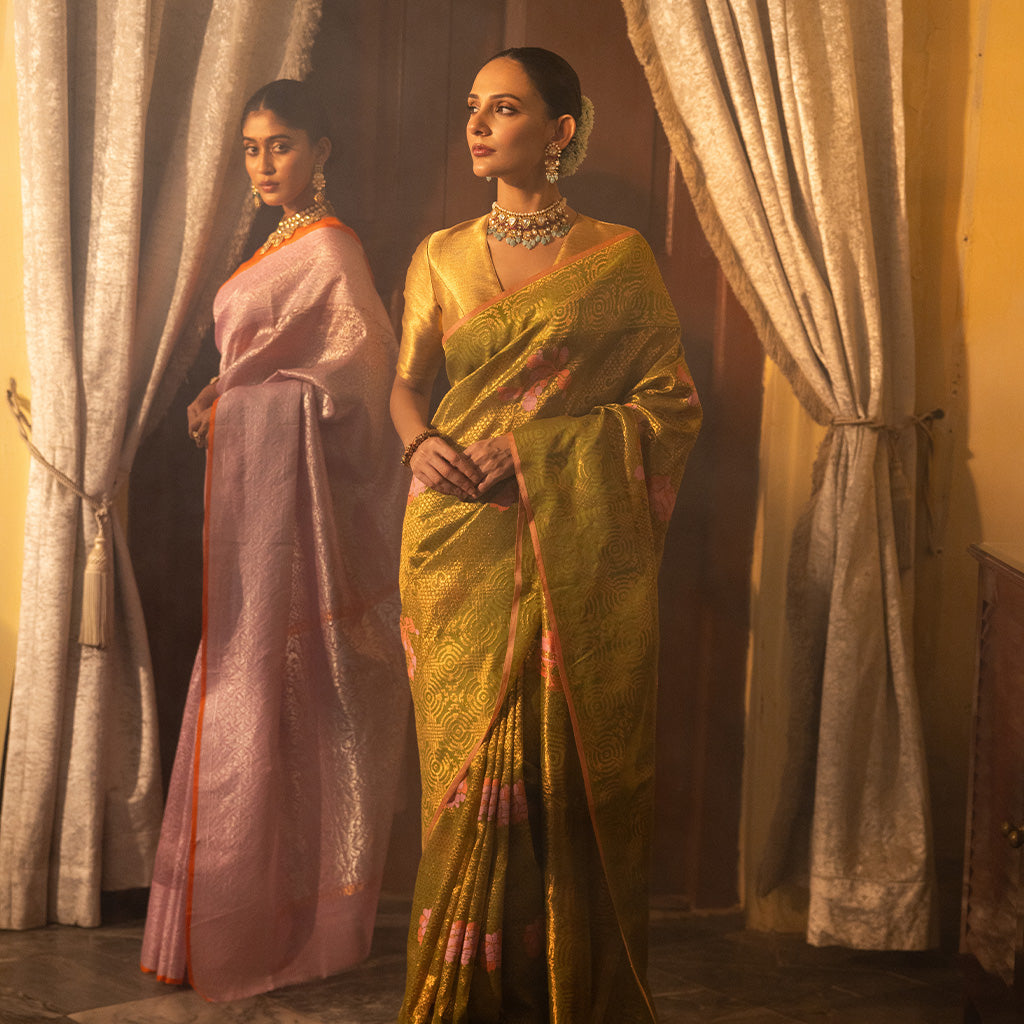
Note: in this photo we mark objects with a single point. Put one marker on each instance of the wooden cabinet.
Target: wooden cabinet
(992, 911)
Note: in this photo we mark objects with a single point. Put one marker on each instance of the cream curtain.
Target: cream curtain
(787, 121)
(132, 193)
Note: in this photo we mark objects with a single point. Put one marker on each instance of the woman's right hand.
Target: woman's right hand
(446, 470)
(199, 414)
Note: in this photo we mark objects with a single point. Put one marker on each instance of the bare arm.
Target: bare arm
(435, 462)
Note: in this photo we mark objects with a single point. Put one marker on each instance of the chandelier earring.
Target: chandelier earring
(319, 185)
(552, 157)
(257, 200)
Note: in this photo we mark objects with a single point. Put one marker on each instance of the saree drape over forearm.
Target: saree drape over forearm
(530, 626)
(274, 837)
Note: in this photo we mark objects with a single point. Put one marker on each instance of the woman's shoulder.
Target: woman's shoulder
(336, 249)
(335, 234)
(589, 235)
(454, 242)
(597, 231)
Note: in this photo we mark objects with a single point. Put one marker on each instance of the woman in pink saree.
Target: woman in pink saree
(273, 842)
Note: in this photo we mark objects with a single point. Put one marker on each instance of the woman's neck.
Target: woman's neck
(526, 199)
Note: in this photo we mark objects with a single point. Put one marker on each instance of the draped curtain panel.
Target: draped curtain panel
(787, 122)
(133, 195)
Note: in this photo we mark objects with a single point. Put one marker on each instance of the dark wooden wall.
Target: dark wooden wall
(396, 74)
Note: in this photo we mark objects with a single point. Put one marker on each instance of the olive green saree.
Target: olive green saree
(530, 624)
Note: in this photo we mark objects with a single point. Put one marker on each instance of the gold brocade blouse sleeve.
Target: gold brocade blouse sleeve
(421, 353)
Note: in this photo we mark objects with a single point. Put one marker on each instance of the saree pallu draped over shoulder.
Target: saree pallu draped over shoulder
(530, 625)
(277, 820)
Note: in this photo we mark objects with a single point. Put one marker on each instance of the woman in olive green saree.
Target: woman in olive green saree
(533, 534)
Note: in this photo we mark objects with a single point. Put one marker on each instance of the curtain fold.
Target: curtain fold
(787, 123)
(133, 204)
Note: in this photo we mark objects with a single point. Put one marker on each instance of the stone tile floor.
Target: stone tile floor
(702, 969)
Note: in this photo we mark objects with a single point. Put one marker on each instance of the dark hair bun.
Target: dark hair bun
(552, 76)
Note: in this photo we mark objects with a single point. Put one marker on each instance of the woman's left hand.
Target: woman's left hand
(198, 413)
(493, 456)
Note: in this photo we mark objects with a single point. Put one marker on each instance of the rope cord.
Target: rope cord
(97, 615)
(100, 506)
(924, 424)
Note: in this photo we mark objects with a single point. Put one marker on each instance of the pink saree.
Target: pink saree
(277, 820)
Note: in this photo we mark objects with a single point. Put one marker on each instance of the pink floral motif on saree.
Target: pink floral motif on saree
(416, 488)
(469, 943)
(543, 367)
(662, 495)
(458, 797)
(492, 950)
(520, 812)
(408, 630)
(455, 937)
(494, 802)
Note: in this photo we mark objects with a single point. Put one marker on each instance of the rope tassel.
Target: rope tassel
(98, 581)
(98, 590)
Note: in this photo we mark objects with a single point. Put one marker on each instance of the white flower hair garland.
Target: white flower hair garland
(574, 153)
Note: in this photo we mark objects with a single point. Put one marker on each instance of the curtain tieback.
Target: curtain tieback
(98, 580)
(924, 424)
(853, 421)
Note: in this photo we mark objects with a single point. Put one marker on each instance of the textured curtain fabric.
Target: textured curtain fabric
(128, 113)
(787, 121)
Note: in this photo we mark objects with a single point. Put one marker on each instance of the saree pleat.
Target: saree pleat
(530, 628)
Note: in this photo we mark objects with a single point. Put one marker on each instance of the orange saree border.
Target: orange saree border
(194, 824)
(324, 222)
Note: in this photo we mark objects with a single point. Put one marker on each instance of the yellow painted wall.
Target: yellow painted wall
(964, 80)
(13, 363)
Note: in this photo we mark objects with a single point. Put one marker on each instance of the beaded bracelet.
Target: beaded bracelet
(410, 448)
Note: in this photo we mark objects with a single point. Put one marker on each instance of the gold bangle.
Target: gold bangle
(410, 448)
(213, 380)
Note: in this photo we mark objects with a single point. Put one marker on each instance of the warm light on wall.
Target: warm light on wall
(13, 363)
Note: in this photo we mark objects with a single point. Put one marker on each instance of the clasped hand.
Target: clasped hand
(467, 475)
